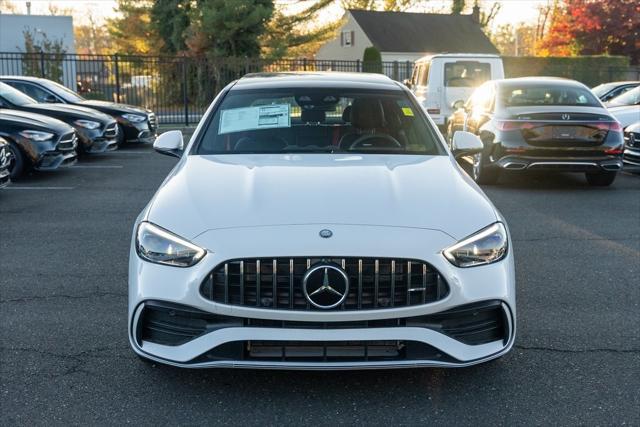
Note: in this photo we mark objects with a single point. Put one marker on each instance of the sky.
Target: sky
(511, 11)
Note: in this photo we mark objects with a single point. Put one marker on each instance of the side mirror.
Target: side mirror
(50, 99)
(456, 105)
(407, 83)
(169, 143)
(465, 144)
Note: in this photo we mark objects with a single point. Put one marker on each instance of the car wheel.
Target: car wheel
(17, 163)
(121, 139)
(481, 173)
(601, 179)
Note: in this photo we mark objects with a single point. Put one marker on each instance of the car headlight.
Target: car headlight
(134, 118)
(160, 246)
(36, 135)
(487, 246)
(88, 124)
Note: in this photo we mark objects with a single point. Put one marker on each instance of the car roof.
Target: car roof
(316, 79)
(27, 78)
(531, 81)
(458, 55)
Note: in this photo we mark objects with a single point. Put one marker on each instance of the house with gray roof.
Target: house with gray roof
(401, 36)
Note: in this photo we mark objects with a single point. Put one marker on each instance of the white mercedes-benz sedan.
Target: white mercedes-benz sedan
(319, 221)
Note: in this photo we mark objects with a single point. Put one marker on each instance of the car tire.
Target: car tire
(121, 137)
(18, 162)
(601, 179)
(482, 174)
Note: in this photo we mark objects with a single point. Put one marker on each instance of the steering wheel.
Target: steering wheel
(387, 141)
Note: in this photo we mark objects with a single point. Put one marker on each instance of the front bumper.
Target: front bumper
(150, 282)
(51, 160)
(96, 141)
(142, 133)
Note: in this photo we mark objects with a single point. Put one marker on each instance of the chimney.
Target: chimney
(475, 13)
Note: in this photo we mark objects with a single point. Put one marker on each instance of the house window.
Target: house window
(347, 38)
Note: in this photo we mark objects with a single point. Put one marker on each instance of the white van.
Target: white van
(440, 81)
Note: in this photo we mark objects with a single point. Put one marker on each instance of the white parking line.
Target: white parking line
(96, 166)
(21, 187)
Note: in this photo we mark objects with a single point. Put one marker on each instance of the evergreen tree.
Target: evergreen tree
(221, 28)
(170, 19)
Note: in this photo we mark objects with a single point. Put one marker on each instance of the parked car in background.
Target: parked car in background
(540, 123)
(626, 107)
(5, 157)
(36, 141)
(607, 91)
(370, 248)
(632, 144)
(136, 124)
(444, 82)
(97, 132)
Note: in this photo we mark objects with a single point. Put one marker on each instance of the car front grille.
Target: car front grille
(276, 283)
(323, 352)
(153, 121)
(632, 139)
(67, 142)
(111, 131)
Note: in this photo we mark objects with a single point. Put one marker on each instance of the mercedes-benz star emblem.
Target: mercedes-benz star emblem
(325, 286)
(325, 233)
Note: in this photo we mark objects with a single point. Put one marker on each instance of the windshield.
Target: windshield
(631, 97)
(603, 88)
(64, 92)
(514, 95)
(466, 73)
(318, 121)
(14, 96)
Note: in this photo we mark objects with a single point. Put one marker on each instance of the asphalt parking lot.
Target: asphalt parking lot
(65, 358)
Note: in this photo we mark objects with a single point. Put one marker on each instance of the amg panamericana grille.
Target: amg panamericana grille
(276, 283)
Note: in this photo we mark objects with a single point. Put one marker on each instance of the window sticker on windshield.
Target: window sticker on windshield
(407, 111)
(255, 118)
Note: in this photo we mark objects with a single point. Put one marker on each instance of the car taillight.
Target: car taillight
(606, 126)
(512, 125)
(433, 110)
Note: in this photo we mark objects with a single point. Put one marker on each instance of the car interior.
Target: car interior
(328, 123)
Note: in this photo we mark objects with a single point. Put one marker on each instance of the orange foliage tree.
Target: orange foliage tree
(593, 27)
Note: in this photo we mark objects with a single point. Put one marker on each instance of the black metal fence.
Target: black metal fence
(179, 88)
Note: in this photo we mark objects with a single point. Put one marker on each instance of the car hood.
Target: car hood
(114, 108)
(626, 114)
(32, 121)
(69, 111)
(226, 191)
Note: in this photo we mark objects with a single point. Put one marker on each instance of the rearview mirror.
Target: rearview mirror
(50, 99)
(456, 105)
(169, 143)
(465, 144)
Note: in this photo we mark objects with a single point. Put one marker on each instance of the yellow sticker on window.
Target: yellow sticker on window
(407, 111)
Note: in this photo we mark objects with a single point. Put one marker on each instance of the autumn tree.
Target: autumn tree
(130, 30)
(590, 27)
